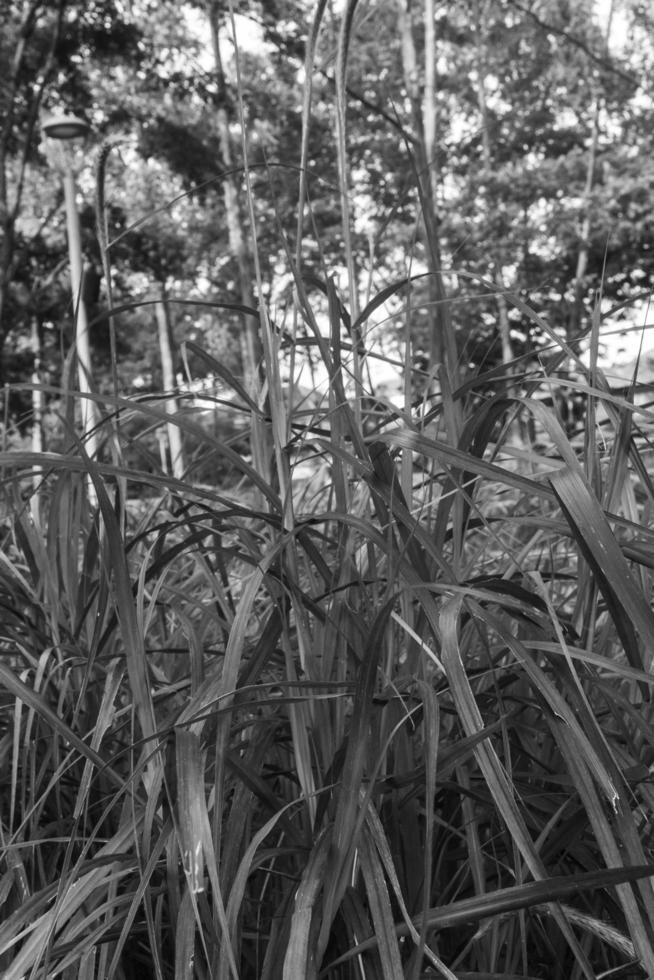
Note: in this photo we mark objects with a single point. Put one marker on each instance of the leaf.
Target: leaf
(622, 593)
(381, 298)
(191, 806)
(381, 908)
(38, 704)
(299, 960)
(348, 819)
(185, 939)
(131, 628)
(224, 374)
(502, 901)
(494, 773)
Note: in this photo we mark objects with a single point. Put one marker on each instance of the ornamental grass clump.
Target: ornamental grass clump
(390, 719)
(397, 727)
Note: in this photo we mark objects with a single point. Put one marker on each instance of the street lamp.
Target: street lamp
(64, 132)
(65, 127)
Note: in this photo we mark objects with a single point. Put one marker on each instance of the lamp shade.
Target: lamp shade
(65, 127)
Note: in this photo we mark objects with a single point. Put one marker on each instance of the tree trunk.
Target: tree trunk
(167, 349)
(488, 157)
(88, 408)
(577, 310)
(250, 340)
(430, 109)
(37, 419)
(442, 340)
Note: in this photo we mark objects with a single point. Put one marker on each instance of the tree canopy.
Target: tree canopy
(526, 128)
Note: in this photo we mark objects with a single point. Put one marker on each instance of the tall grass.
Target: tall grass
(391, 720)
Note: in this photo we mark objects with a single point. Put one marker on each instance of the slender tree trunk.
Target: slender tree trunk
(488, 157)
(167, 352)
(250, 341)
(88, 408)
(442, 341)
(37, 419)
(6, 277)
(249, 337)
(577, 310)
(430, 108)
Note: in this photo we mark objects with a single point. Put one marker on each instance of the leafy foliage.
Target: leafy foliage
(366, 691)
(368, 737)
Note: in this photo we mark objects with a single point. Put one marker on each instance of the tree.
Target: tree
(39, 51)
(484, 129)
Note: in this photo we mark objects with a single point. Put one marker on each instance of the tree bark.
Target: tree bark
(488, 158)
(250, 340)
(430, 108)
(167, 353)
(442, 340)
(37, 419)
(252, 354)
(577, 309)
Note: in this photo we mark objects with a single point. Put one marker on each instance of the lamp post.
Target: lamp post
(64, 132)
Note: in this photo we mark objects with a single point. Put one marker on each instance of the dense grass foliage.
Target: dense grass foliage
(394, 721)
(375, 704)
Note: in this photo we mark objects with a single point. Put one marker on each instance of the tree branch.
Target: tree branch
(577, 42)
(374, 107)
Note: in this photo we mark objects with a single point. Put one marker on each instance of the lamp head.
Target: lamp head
(65, 126)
